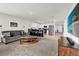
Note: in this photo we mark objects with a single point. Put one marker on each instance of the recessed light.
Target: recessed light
(30, 13)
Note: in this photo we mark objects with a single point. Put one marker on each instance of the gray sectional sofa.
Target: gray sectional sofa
(11, 36)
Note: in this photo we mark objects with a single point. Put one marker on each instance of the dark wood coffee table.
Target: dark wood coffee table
(28, 39)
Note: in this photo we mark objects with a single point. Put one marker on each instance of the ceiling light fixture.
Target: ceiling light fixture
(30, 13)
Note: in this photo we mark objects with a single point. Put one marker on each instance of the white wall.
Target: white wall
(23, 24)
(36, 25)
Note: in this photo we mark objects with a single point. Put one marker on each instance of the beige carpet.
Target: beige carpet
(45, 47)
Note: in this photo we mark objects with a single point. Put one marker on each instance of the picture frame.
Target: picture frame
(13, 24)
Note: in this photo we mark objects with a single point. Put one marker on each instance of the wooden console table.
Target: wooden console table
(67, 51)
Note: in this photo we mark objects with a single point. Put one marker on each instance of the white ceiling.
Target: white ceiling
(39, 12)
